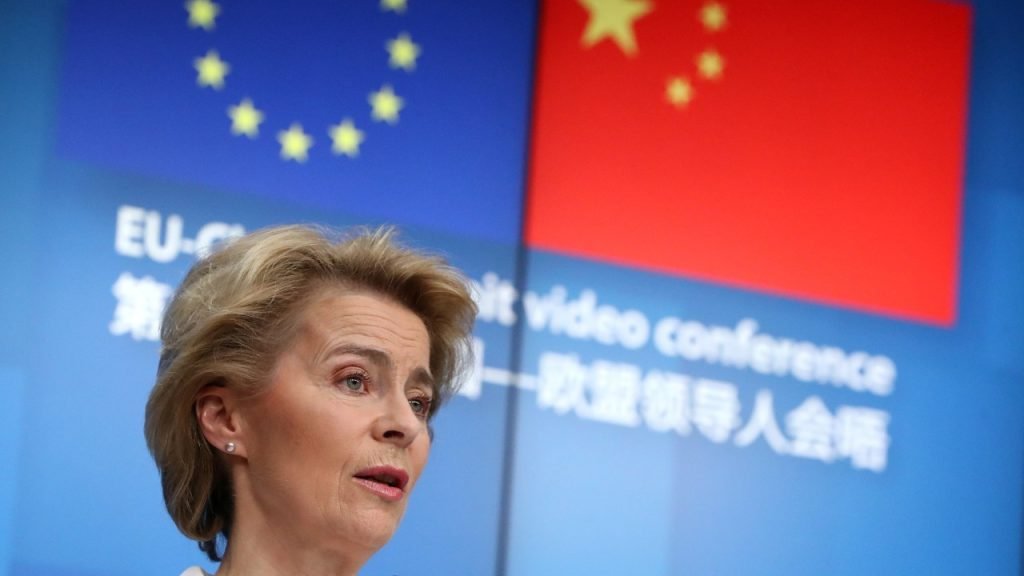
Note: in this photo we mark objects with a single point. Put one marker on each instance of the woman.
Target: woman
(296, 383)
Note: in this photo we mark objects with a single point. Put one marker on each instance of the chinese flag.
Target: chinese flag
(807, 148)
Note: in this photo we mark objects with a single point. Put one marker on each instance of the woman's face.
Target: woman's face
(336, 443)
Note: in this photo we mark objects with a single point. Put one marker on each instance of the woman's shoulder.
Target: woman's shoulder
(195, 571)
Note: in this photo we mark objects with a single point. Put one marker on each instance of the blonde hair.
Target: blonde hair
(236, 310)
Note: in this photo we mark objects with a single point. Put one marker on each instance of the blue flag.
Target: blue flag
(386, 110)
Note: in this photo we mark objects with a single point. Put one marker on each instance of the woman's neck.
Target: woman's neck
(271, 553)
(262, 546)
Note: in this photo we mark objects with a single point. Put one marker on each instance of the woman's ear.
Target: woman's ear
(216, 413)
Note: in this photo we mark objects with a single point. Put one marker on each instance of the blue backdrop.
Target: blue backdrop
(618, 421)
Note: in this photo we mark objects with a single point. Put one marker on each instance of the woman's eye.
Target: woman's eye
(354, 383)
(420, 406)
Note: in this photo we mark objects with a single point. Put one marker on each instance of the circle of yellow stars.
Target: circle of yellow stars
(295, 142)
(615, 19)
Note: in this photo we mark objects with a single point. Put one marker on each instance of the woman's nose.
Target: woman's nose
(397, 423)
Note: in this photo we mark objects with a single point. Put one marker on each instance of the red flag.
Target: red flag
(808, 148)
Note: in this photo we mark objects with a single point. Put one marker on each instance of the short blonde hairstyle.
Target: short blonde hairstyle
(235, 312)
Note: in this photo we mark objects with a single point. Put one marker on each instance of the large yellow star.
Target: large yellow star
(398, 6)
(710, 64)
(614, 19)
(295, 143)
(346, 138)
(403, 52)
(385, 104)
(201, 14)
(212, 70)
(712, 15)
(678, 91)
(245, 119)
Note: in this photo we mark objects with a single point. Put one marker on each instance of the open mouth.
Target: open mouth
(388, 479)
(385, 481)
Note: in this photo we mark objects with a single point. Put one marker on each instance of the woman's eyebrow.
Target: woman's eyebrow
(420, 375)
(374, 355)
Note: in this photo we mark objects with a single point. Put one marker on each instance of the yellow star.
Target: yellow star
(295, 143)
(613, 18)
(678, 91)
(201, 14)
(212, 70)
(403, 52)
(245, 119)
(398, 6)
(710, 64)
(712, 15)
(386, 105)
(347, 138)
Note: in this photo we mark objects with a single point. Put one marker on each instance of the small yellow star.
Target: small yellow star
(245, 119)
(678, 91)
(201, 14)
(398, 6)
(712, 15)
(212, 70)
(295, 143)
(614, 19)
(346, 138)
(385, 104)
(710, 64)
(403, 52)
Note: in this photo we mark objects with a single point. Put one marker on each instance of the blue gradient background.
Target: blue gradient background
(540, 493)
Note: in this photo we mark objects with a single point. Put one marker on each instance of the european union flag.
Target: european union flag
(399, 110)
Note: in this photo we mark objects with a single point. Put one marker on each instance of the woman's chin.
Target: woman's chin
(369, 529)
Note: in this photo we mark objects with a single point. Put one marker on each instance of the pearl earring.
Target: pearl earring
(229, 447)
